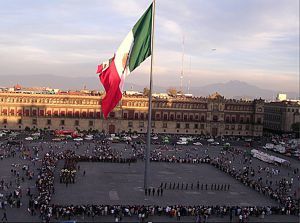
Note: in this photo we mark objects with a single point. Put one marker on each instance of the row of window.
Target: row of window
(51, 101)
(49, 122)
(280, 110)
(165, 125)
(239, 127)
(27, 112)
(272, 117)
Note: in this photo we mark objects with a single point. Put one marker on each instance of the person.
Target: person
(4, 217)
(178, 215)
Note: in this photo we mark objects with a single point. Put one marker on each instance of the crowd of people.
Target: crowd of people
(200, 213)
(279, 194)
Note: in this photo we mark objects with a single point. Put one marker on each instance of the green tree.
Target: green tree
(296, 129)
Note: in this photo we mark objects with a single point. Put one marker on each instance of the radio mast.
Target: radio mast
(182, 59)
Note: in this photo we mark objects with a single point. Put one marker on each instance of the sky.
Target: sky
(255, 41)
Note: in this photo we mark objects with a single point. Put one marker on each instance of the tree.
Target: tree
(146, 91)
(172, 91)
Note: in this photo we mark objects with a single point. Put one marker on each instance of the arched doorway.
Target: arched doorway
(111, 129)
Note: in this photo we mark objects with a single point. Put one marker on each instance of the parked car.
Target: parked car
(197, 144)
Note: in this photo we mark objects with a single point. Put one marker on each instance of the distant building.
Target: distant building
(211, 116)
(280, 116)
(281, 97)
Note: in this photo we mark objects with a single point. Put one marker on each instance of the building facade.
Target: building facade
(214, 115)
(280, 116)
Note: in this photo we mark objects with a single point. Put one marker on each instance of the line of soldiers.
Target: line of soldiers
(159, 191)
(186, 186)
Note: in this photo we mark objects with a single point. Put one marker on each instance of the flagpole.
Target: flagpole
(148, 147)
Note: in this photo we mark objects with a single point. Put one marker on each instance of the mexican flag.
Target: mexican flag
(134, 49)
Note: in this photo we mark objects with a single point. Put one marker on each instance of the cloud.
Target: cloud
(256, 41)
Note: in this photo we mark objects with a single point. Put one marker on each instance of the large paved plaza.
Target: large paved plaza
(122, 183)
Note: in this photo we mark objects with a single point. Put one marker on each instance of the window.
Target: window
(125, 115)
(91, 123)
(215, 118)
(191, 117)
(187, 125)
(34, 121)
(152, 124)
(136, 115)
(4, 111)
(196, 117)
(55, 113)
(165, 125)
(202, 126)
(232, 127)
(48, 121)
(171, 117)
(185, 117)
(241, 119)
(141, 124)
(5, 121)
(178, 117)
(196, 126)
(41, 112)
(76, 122)
(62, 122)
(178, 125)
(98, 114)
(233, 119)
(165, 117)
(258, 120)
(157, 116)
(19, 121)
(202, 118)
(130, 124)
(226, 127)
(227, 119)
(240, 127)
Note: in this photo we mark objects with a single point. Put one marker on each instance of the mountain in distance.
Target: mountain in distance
(238, 89)
(231, 89)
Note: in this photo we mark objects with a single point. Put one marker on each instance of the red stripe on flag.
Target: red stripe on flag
(110, 80)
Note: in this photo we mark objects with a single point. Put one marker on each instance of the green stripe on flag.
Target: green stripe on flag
(141, 48)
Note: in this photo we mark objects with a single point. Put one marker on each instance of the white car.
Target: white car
(29, 138)
(182, 142)
(155, 137)
(89, 137)
(210, 140)
(134, 136)
(78, 139)
(197, 144)
(215, 143)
